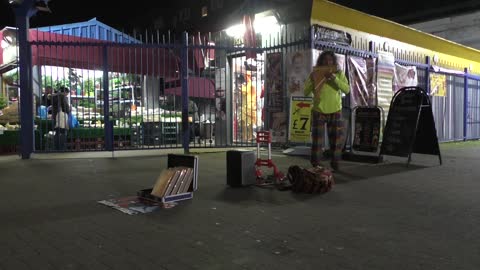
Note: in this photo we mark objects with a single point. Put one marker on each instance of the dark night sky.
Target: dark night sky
(126, 16)
(67, 11)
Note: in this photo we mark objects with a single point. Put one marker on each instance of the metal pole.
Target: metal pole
(427, 75)
(23, 13)
(465, 103)
(108, 127)
(184, 70)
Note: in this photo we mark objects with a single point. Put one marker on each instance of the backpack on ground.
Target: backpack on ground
(312, 180)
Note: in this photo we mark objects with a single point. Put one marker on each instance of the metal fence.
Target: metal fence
(473, 110)
(135, 96)
(448, 110)
(116, 93)
(197, 91)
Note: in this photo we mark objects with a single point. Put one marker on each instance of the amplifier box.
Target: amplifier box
(241, 168)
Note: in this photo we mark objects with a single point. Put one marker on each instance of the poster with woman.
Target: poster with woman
(404, 76)
(298, 67)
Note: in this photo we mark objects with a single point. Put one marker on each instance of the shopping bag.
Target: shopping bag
(61, 120)
(72, 121)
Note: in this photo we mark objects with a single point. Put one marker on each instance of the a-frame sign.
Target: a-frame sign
(410, 126)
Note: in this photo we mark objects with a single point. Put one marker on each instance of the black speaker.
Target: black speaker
(241, 168)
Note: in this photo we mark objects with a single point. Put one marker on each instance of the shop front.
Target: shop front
(379, 57)
(385, 56)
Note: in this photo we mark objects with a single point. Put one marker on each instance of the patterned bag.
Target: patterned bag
(312, 180)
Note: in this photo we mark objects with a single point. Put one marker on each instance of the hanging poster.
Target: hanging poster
(372, 80)
(404, 76)
(297, 64)
(385, 74)
(300, 119)
(361, 82)
(274, 82)
(275, 97)
(438, 85)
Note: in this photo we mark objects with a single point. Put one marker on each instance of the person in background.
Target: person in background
(60, 112)
(220, 104)
(327, 83)
(47, 97)
(194, 114)
(249, 108)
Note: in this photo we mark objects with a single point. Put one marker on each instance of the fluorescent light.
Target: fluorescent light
(236, 30)
(4, 44)
(266, 25)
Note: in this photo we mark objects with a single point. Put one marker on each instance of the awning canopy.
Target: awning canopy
(197, 86)
(84, 53)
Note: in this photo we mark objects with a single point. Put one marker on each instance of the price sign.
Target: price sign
(300, 119)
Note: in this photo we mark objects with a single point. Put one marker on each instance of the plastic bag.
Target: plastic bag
(72, 121)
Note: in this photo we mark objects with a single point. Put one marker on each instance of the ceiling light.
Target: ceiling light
(236, 30)
(266, 25)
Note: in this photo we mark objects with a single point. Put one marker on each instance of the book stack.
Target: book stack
(173, 181)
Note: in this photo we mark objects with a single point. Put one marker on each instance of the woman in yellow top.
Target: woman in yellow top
(249, 108)
(327, 83)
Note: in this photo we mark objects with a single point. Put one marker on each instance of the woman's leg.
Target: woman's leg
(318, 137)
(336, 135)
(60, 139)
(56, 139)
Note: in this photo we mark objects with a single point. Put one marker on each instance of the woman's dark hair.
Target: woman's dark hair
(323, 55)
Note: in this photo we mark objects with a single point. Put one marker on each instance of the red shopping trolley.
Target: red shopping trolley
(265, 137)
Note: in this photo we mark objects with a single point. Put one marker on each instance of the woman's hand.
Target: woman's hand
(330, 76)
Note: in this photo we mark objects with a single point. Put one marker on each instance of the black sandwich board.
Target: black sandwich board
(410, 126)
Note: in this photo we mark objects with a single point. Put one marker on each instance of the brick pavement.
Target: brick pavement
(377, 217)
